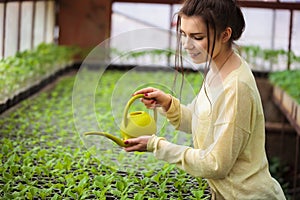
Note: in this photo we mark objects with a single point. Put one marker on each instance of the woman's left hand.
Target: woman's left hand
(137, 144)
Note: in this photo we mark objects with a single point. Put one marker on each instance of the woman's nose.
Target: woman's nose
(187, 43)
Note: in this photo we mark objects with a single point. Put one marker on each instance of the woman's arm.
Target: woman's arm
(214, 162)
(180, 116)
(228, 138)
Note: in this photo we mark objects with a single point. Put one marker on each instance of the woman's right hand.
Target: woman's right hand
(155, 97)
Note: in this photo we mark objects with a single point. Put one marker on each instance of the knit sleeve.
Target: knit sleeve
(180, 116)
(214, 162)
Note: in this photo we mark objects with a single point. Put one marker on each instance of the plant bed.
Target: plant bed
(287, 103)
(29, 71)
(44, 157)
(286, 94)
(25, 93)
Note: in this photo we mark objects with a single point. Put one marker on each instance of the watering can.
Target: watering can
(134, 124)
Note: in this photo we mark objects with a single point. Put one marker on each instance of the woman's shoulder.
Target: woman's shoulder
(241, 79)
(242, 73)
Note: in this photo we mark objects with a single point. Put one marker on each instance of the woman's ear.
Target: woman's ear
(226, 35)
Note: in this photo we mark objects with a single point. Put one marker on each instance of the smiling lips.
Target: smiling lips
(193, 55)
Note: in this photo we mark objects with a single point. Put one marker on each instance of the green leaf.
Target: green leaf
(5, 149)
(6, 177)
(55, 197)
(120, 185)
(71, 194)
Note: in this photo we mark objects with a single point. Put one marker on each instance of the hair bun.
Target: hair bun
(238, 23)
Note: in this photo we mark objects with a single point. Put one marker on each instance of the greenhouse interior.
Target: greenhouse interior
(62, 68)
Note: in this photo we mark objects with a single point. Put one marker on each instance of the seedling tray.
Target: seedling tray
(43, 157)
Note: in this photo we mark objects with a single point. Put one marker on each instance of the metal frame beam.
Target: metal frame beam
(251, 4)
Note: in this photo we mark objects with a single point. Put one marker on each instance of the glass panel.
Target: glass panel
(257, 32)
(296, 33)
(26, 25)
(296, 39)
(176, 8)
(265, 28)
(129, 31)
(50, 21)
(281, 39)
(282, 25)
(1, 29)
(11, 29)
(39, 24)
(130, 16)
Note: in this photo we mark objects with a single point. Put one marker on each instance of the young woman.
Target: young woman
(226, 118)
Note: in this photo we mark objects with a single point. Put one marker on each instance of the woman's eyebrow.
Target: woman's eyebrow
(197, 33)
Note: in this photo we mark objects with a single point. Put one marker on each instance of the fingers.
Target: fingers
(145, 90)
(154, 98)
(154, 94)
(149, 103)
(132, 141)
(137, 144)
(138, 147)
(150, 93)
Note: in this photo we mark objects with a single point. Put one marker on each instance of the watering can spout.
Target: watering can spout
(115, 139)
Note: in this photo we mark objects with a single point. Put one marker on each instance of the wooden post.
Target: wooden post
(84, 23)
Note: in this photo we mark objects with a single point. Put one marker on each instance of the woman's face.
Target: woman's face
(195, 39)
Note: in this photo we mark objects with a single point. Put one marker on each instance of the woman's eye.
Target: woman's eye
(198, 38)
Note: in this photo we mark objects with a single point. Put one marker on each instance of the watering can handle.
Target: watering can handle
(129, 104)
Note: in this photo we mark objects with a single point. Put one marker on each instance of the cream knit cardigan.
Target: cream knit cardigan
(227, 125)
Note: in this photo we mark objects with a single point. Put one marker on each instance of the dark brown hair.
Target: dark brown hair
(218, 15)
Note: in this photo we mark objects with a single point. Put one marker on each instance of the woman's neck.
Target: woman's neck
(220, 60)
